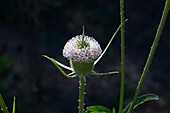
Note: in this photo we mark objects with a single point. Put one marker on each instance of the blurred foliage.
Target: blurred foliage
(5, 63)
(6, 76)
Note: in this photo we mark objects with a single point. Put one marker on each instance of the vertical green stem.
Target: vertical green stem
(2, 104)
(151, 54)
(122, 58)
(13, 111)
(81, 94)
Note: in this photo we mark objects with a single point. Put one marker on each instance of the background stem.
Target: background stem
(151, 54)
(2, 104)
(81, 94)
(122, 58)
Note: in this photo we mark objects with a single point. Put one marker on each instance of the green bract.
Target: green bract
(81, 67)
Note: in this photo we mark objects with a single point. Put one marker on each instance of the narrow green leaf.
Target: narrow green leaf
(109, 73)
(2, 104)
(141, 100)
(97, 109)
(13, 111)
(109, 42)
(56, 64)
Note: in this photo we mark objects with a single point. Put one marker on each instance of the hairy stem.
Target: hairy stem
(151, 54)
(122, 58)
(81, 94)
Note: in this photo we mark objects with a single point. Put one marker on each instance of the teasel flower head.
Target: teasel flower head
(82, 51)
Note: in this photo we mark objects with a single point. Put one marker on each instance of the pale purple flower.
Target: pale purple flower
(77, 52)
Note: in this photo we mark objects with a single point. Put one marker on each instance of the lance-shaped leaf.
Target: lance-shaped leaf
(109, 42)
(141, 100)
(97, 109)
(108, 73)
(56, 64)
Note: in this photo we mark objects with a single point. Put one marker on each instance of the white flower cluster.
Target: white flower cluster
(77, 53)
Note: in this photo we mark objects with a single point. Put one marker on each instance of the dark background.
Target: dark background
(30, 28)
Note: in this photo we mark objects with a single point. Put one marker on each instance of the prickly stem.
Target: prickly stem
(81, 94)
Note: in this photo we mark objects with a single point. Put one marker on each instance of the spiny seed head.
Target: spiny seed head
(82, 52)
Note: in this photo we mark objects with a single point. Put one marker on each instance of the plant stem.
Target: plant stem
(13, 111)
(122, 58)
(2, 104)
(151, 54)
(81, 94)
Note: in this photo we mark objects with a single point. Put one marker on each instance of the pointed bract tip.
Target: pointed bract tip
(44, 55)
(116, 71)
